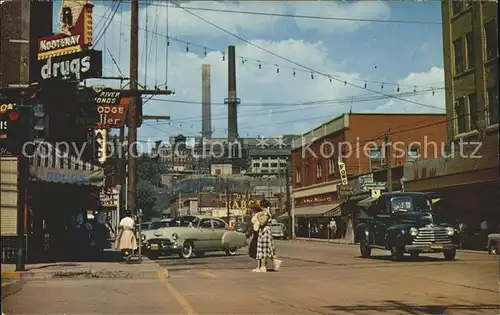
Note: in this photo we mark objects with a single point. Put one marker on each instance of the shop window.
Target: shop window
(319, 169)
(331, 166)
(493, 105)
(412, 154)
(458, 52)
(456, 7)
(298, 177)
(491, 34)
(470, 50)
(460, 115)
(374, 154)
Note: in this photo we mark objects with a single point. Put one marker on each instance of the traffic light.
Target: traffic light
(40, 123)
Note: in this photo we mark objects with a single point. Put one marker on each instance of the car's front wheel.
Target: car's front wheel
(494, 249)
(187, 250)
(231, 251)
(450, 254)
(365, 250)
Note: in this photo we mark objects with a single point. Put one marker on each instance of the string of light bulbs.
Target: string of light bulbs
(191, 47)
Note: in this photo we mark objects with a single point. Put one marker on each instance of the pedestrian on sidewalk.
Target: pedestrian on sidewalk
(265, 244)
(126, 241)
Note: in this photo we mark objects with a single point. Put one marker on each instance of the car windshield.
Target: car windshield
(411, 204)
(145, 226)
(159, 224)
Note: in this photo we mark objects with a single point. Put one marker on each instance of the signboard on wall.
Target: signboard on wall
(79, 66)
(75, 33)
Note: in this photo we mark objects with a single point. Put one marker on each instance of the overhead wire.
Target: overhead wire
(294, 62)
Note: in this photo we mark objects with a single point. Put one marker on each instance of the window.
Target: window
(256, 164)
(298, 176)
(283, 165)
(374, 154)
(265, 164)
(319, 169)
(491, 34)
(274, 164)
(460, 115)
(493, 105)
(473, 111)
(470, 50)
(218, 224)
(459, 56)
(206, 224)
(331, 166)
(412, 154)
(456, 7)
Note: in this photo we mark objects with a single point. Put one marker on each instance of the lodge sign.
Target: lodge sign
(80, 66)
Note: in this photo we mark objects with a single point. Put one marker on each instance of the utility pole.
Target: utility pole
(227, 201)
(288, 205)
(387, 150)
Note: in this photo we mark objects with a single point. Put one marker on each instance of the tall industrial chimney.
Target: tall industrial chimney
(206, 111)
(232, 101)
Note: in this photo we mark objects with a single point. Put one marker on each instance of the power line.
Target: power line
(311, 17)
(294, 62)
(259, 63)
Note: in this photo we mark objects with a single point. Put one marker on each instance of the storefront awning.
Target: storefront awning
(51, 165)
(328, 210)
(365, 203)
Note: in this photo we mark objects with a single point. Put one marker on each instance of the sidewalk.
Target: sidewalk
(343, 241)
(147, 269)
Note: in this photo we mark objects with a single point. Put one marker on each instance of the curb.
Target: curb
(318, 240)
(85, 274)
(11, 288)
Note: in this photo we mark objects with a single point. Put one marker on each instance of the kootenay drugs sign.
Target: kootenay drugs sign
(79, 66)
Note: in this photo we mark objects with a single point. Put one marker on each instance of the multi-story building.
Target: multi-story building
(358, 141)
(468, 176)
(176, 155)
(250, 155)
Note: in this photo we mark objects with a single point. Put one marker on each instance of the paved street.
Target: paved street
(315, 278)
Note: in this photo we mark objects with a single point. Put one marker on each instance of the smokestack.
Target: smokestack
(232, 101)
(206, 111)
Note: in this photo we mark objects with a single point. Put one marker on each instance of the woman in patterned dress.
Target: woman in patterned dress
(265, 244)
(253, 232)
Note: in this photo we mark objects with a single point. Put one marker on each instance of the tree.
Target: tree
(147, 196)
(150, 169)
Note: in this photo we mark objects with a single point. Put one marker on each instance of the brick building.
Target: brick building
(357, 140)
(468, 177)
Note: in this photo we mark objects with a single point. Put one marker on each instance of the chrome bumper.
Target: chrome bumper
(163, 246)
(431, 248)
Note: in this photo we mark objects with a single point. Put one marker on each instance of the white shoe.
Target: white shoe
(262, 269)
(277, 264)
(256, 270)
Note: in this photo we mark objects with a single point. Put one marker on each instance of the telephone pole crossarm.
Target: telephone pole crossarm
(149, 117)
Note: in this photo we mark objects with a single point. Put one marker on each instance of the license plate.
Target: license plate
(436, 246)
(154, 246)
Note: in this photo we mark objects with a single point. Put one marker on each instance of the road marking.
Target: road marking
(178, 297)
(208, 274)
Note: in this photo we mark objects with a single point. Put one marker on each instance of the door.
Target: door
(205, 236)
(382, 221)
(219, 230)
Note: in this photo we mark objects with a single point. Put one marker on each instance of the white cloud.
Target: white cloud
(358, 10)
(254, 86)
(432, 101)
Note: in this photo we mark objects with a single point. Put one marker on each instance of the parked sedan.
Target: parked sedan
(195, 235)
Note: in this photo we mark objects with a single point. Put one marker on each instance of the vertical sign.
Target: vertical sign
(101, 139)
(343, 173)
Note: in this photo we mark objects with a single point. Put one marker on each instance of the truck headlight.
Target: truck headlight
(413, 231)
(450, 231)
(175, 237)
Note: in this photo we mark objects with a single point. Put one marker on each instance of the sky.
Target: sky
(333, 61)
